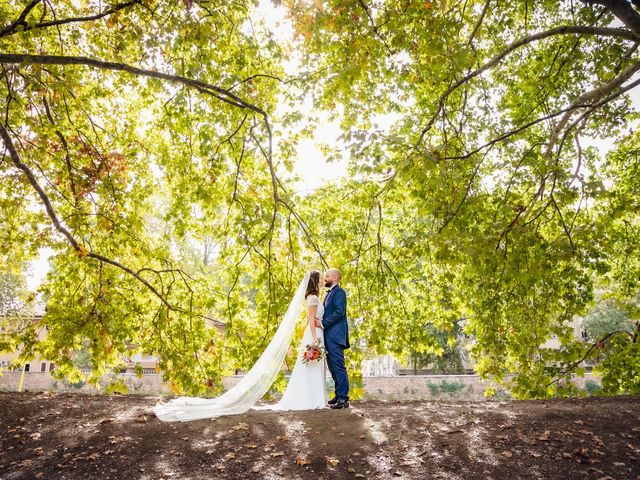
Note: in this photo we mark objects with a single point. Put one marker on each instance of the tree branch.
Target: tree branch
(82, 251)
(218, 92)
(621, 9)
(11, 29)
(563, 30)
(21, 19)
(479, 22)
(586, 354)
(590, 97)
(203, 87)
(375, 28)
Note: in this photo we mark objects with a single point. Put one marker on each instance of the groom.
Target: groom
(336, 336)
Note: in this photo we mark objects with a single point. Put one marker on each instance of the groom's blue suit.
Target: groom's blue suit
(336, 338)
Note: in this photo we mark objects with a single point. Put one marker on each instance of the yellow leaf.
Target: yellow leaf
(332, 461)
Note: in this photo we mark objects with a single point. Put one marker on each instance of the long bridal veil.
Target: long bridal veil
(252, 387)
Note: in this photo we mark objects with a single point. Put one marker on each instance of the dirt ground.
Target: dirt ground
(73, 436)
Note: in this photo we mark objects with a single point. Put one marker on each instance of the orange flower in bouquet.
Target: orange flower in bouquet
(313, 352)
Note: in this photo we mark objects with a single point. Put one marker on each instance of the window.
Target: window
(43, 367)
(27, 367)
(52, 366)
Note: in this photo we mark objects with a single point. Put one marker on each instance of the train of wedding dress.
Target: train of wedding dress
(253, 385)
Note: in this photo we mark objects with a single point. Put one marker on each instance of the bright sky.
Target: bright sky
(310, 166)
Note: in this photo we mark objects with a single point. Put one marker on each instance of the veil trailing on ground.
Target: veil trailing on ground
(252, 387)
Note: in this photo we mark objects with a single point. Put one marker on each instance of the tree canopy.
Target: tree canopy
(147, 143)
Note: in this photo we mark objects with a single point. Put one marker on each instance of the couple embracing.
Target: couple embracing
(326, 320)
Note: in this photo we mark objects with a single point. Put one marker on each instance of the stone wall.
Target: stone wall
(43, 381)
(404, 387)
(439, 387)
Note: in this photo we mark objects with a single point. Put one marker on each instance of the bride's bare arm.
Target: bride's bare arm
(311, 319)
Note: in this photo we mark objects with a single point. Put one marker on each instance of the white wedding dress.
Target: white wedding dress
(306, 389)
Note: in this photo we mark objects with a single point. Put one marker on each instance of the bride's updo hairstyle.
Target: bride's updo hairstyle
(313, 287)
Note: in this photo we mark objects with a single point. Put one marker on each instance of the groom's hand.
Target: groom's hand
(318, 323)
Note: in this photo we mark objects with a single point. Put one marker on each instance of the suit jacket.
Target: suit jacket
(334, 320)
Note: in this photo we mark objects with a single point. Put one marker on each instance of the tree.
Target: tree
(605, 318)
(446, 360)
(147, 128)
(14, 296)
(117, 116)
(485, 191)
(16, 308)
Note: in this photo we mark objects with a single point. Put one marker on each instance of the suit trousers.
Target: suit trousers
(335, 362)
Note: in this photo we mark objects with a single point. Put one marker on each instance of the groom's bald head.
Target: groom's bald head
(332, 277)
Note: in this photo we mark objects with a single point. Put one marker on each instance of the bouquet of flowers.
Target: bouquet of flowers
(314, 351)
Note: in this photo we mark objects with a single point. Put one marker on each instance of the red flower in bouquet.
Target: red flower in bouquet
(313, 352)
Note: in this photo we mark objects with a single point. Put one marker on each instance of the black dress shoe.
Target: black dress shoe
(333, 401)
(341, 403)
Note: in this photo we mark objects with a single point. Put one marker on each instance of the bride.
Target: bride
(306, 387)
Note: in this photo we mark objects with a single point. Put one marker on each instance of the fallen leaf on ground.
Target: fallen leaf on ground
(582, 451)
(250, 445)
(277, 454)
(507, 454)
(545, 436)
(332, 461)
(302, 461)
(241, 426)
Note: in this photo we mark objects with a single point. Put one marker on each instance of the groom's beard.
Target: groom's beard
(328, 284)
